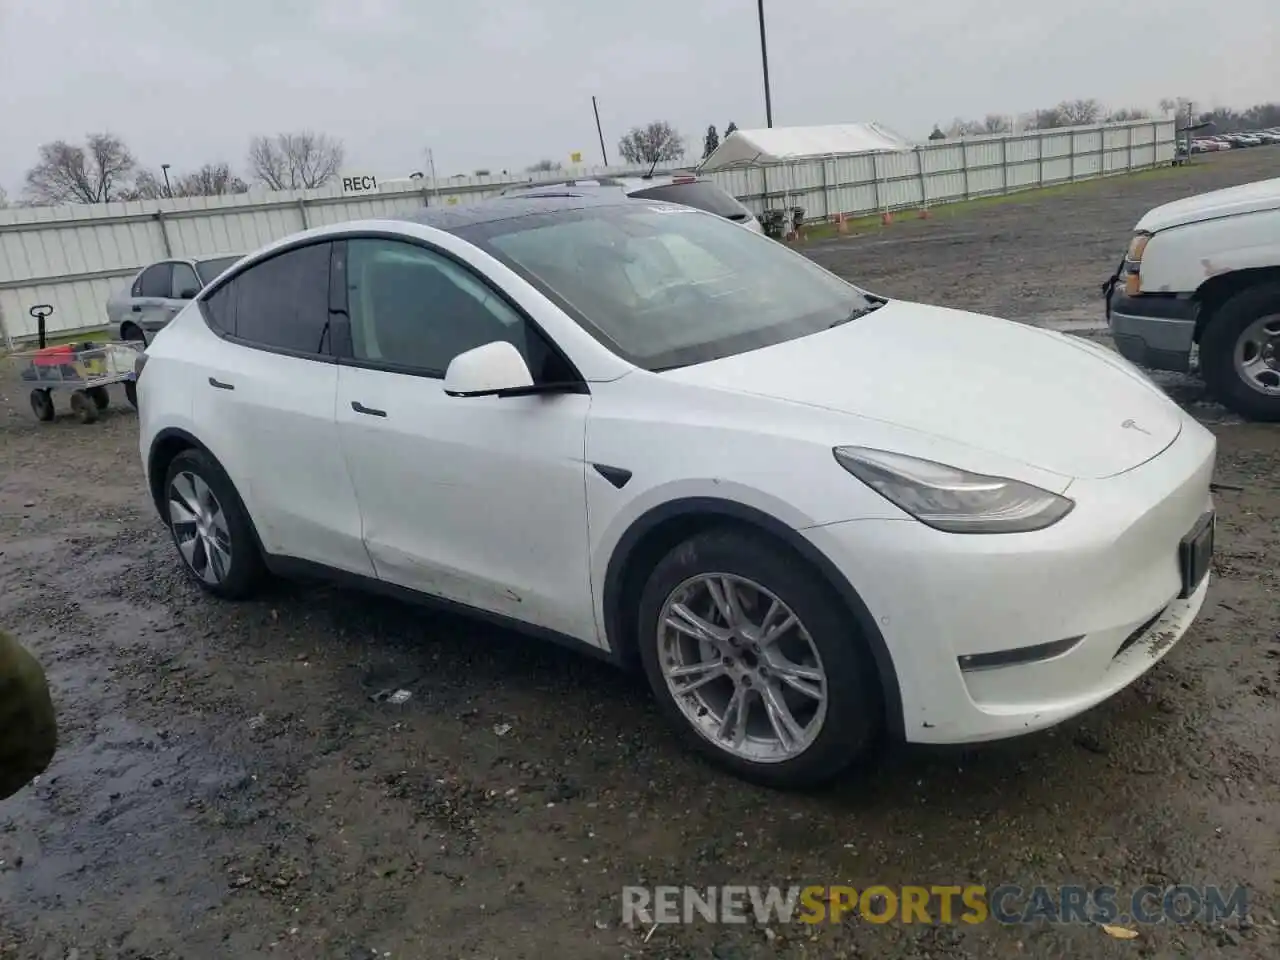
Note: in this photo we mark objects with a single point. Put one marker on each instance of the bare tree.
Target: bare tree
(1076, 113)
(963, 128)
(1128, 113)
(543, 166)
(4, 198)
(146, 186)
(295, 161)
(94, 173)
(652, 144)
(211, 180)
(1045, 119)
(1167, 104)
(995, 123)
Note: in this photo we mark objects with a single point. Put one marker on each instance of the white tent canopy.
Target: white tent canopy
(781, 144)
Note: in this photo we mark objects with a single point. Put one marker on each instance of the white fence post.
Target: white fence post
(924, 183)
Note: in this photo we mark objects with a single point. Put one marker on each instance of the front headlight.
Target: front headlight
(954, 500)
(1133, 264)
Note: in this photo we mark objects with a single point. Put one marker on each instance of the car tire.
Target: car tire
(1234, 327)
(132, 333)
(213, 534)
(823, 640)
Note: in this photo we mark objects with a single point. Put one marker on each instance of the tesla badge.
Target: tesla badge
(1133, 425)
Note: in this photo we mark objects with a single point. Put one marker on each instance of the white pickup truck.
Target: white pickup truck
(1206, 271)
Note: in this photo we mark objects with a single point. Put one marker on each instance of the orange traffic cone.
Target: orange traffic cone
(886, 218)
(924, 213)
(842, 225)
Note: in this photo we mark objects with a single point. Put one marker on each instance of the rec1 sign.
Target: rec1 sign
(359, 183)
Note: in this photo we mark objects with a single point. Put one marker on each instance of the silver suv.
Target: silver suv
(686, 189)
(156, 293)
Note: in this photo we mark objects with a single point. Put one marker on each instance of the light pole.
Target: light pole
(764, 60)
(168, 191)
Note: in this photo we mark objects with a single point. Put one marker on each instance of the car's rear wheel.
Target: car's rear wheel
(1240, 353)
(210, 526)
(750, 652)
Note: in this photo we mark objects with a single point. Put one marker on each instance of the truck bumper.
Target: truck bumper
(1153, 331)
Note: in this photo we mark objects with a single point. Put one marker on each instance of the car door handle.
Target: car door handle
(220, 385)
(359, 407)
(136, 308)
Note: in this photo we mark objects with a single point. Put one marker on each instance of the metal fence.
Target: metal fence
(75, 257)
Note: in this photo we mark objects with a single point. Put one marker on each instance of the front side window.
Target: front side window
(416, 309)
(283, 303)
(666, 286)
(155, 281)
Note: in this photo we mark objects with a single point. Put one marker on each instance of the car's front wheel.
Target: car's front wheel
(1240, 353)
(751, 653)
(210, 526)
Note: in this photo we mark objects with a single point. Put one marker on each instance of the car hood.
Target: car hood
(1247, 198)
(1041, 398)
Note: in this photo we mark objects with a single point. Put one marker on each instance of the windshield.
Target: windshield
(209, 269)
(666, 286)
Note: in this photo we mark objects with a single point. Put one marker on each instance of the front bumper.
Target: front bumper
(1156, 332)
(1108, 573)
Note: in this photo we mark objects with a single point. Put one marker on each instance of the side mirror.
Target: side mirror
(188, 294)
(494, 369)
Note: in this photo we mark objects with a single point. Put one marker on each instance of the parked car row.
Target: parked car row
(1228, 141)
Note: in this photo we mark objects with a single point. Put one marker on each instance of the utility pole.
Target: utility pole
(435, 186)
(164, 168)
(599, 133)
(764, 60)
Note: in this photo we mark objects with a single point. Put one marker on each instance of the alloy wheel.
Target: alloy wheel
(742, 668)
(200, 528)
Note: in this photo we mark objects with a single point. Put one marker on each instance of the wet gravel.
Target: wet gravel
(242, 780)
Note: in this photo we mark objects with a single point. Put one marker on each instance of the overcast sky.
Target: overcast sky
(503, 83)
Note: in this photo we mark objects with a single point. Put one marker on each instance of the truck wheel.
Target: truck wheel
(1240, 353)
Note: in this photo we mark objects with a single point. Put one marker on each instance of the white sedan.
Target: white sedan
(810, 514)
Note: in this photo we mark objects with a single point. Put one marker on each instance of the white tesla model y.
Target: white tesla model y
(809, 513)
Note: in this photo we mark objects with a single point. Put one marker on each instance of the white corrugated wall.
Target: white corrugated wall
(73, 257)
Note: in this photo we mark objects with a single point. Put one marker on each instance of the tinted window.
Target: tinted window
(702, 195)
(184, 282)
(284, 302)
(209, 269)
(666, 286)
(220, 308)
(155, 281)
(411, 307)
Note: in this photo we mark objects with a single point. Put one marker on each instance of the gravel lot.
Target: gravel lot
(231, 785)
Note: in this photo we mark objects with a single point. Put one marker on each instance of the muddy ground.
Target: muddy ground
(231, 785)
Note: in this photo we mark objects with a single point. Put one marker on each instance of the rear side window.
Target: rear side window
(220, 309)
(700, 194)
(283, 303)
(155, 281)
(185, 284)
